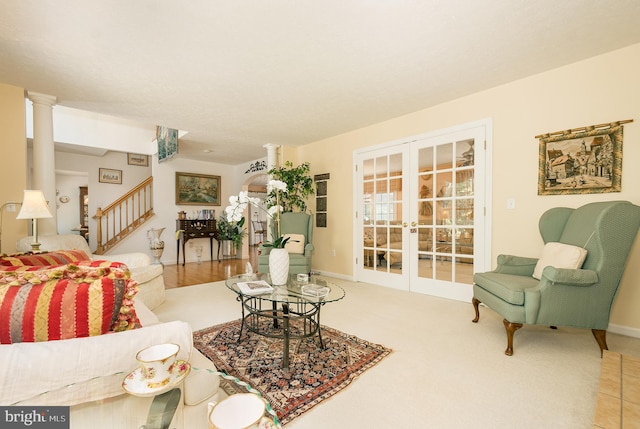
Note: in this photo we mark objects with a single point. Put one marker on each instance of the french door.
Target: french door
(420, 213)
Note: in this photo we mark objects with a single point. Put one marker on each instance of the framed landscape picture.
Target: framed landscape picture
(108, 175)
(197, 189)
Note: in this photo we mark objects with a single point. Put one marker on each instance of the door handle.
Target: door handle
(405, 224)
(414, 223)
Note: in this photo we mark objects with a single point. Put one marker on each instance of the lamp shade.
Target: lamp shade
(34, 206)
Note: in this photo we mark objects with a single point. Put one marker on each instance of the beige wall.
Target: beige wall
(13, 147)
(598, 90)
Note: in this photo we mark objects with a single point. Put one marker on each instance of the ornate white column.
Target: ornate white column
(44, 167)
(272, 161)
(272, 155)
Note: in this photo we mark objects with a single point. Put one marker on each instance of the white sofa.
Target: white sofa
(87, 374)
(148, 275)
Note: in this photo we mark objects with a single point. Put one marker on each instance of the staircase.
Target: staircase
(123, 216)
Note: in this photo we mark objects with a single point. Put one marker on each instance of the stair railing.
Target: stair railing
(123, 216)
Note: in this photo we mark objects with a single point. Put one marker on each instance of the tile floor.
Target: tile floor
(618, 403)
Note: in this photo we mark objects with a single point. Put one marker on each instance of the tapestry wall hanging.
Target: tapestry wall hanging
(584, 160)
(167, 139)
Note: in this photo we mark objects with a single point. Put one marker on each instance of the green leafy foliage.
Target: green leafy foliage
(233, 231)
(299, 187)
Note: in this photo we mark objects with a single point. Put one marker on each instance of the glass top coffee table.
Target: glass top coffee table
(286, 312)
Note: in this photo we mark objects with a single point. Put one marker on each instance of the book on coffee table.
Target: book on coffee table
(256, 287)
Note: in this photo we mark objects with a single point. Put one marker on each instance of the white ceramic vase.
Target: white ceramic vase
(155, 244)
(279, 266)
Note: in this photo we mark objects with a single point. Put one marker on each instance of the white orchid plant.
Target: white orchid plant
(234, 212)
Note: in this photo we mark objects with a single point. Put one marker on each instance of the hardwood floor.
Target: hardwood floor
(193, 273)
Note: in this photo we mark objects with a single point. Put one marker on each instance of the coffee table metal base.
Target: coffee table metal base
(253, 313)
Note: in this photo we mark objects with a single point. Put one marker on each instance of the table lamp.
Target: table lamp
(34, 206)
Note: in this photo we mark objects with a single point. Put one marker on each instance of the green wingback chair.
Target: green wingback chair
(292, 223)
(580, 298)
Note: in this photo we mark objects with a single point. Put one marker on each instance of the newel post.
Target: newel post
(98, 217)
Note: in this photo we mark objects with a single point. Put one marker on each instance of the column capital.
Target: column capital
(39, 98)
(272, 154)
(270, 146)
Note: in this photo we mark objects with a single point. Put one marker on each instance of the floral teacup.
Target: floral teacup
(157, 363)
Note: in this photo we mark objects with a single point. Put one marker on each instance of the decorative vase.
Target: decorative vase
(155, 244)
(279, 266)
(228, 248)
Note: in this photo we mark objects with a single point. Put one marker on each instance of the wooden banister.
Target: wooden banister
(123, 216)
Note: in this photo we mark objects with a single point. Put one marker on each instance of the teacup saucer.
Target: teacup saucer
(136, 385)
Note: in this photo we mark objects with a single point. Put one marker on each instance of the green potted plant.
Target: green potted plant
(230, 233)
(299, 187)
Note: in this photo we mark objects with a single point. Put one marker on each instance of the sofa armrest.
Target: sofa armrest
(68, 372)
(131, 260)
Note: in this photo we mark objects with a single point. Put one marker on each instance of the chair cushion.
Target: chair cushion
(508, 287)
(559, 255)
(295, 243)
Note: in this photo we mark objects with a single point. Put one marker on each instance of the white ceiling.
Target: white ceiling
(239, 74)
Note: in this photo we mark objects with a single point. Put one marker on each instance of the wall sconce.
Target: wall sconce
(34, 206)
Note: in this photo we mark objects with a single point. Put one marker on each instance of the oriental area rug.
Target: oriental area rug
(314, 374)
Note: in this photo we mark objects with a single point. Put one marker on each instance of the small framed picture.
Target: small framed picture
(107, 175)
(137, 159)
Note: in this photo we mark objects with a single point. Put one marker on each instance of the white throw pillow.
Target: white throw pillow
(295, 243)
(560, 255)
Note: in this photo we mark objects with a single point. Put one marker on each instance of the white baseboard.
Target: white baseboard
(624, 330)
(335, 275)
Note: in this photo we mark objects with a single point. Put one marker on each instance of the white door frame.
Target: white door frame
(483, 253)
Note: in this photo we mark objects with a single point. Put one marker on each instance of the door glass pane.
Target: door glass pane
(368, 248)
(443, 266)
(381, 189)
(464, 270)
(444, 155)
(395, 165)
(464, 212)
(381, 170)
(425, 239)
(464, 182)
(367, 166)
(382, 213)
(465, 153)
(445, 200)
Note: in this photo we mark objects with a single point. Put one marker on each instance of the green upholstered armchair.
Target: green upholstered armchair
(292, 223)
(580, 298)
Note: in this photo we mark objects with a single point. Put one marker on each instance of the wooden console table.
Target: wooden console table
(196, 228)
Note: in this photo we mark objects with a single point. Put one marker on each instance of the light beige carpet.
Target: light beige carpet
(445, 371)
